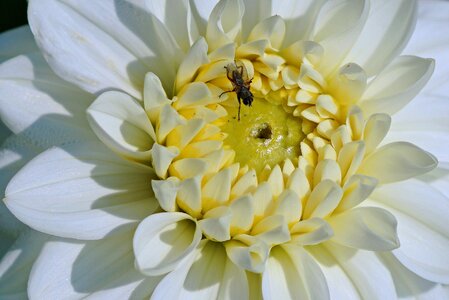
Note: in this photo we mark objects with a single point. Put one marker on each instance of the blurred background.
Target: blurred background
(12, 14)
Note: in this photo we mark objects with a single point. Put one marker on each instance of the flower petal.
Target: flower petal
(367, 228)
(337, 28)
(67, 269)
(353, 274)
(291, 273)
(397, 85)
(38, 105)
(86, 193)
(323, 200)
(421, 212)
(104, 45)
(122, 124)
(397, 161)
(163, 240)
(194, 279)
(378, 45)
(16, 264)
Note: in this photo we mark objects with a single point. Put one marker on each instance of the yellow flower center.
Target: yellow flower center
(265, 134)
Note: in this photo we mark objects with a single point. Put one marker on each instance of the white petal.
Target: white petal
(163, 240)
(15, 265)
(122, 124)
(367, 228)
(378, 45)
(255, 12)
(291, 273)
(353, 274)
(104, 45)
(299, 17)
(355, 191)
(397, 85)
(179, 20)
(311, 231)
(195, 58)
(194, 279)
(409, 285)
(84, 194)
(248, 252)
(16, 41)
(337, 28)
(39, 105)
(397, 161)
(72, 270)
(421, 212)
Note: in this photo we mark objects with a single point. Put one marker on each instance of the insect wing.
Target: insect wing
(242, 70)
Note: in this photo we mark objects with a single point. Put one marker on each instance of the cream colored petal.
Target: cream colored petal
(248, 252)
(154, 95)
(216, 224)
(163, 240)
(188, 197)
(350, 158)
(272, 230)
(271, 29)
(217, 190)
(397, 85)
(162, 158)
(182, 135)
(323, 200)
(349, 84)
(245, 184)
(276, 181)
(195, 94)
(376, 128)
(195, 58)
(311, 232)
(188, 168)
(242, 214)
(168, 120)
(327, 169)
(397, 161)
(355, 191)
(121, 123)
(299, 183)
(262, 199)
(165, 192)
(289, 206)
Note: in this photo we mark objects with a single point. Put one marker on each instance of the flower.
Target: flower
(306, 195)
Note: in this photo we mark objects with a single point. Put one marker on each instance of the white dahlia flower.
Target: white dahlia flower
(233, 149)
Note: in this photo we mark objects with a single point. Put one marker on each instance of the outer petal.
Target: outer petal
(193, 279)
(397, 161)
(365, 228)
(337, 27)
(104, 44)
(16, 41)
(291, 273)
(353, 274)
(15, 265)
(100, 269)
(429, 40)
(40, 106)
(424, 122)
(85, 193)
(397, 85)
(385, 34)
(421, 212)
(409, 285)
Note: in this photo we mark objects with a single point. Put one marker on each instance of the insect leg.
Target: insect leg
(226, 92)
(240, 104)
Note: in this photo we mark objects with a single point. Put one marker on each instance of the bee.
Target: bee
(238, 75)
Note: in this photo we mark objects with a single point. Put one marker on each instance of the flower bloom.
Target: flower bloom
(180, 186)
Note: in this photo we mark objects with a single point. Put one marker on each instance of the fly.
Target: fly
(238, 75)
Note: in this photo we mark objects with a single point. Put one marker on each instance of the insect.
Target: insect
(237, 74)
